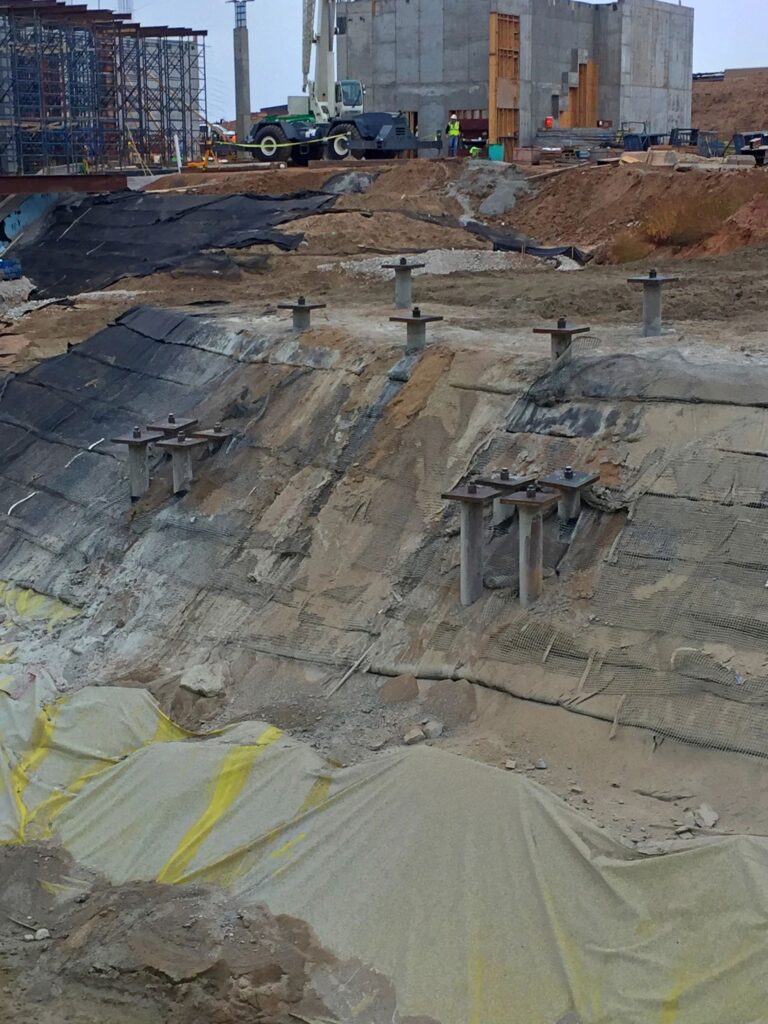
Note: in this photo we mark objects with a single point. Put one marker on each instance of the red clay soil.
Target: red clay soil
(739, 103)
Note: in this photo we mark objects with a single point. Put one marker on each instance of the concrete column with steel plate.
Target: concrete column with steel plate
(505, 483)
(569, 483)
(173, 425)
(138, 442)
(652, 303)
(416, 329)
(561, 336)
(215, 437)
(181, 448)
(302, 313)
(403, 281)
(531, 504)
(473, 498)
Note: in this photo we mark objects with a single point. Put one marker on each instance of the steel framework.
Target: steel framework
(94, 88)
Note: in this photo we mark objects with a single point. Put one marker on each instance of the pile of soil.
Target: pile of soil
(343, 234)
(746, 228)
(418, 185)
(262, 182)
(593, 205)
(738, 103)
(75, 950)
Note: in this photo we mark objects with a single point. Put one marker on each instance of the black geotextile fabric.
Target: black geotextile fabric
(56, 425)
(505, 241)
(89, 244)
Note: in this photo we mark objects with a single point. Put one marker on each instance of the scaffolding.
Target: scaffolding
(94, 89)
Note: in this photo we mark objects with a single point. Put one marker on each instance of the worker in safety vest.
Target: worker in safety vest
(453, 131)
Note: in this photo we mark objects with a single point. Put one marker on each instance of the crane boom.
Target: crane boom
(308, 38)
(325, 59)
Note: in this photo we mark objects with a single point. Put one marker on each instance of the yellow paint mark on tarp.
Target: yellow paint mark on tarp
(317, 795)
(232, 777)
(285, 849)
(169, 732)
(238, 862)
(670, 1009)
(40, 747)
(32, 605)
(40, 820)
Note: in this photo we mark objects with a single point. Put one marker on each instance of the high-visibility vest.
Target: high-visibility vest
(454, 128)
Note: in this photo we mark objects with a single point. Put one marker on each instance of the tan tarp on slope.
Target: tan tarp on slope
(486, 898)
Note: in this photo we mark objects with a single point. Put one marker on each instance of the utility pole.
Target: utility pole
(242, 71)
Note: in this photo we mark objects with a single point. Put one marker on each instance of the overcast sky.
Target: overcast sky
(729, 34)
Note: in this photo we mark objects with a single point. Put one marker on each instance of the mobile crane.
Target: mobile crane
(329, 121)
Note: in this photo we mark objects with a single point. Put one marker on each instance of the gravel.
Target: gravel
(441, 261)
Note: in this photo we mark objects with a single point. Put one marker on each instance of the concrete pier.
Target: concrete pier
(473, 498)
(138, 442)
(215, 438)
(653, 285)
(505, 483)
(561, 337)
(172, 425)
(569, 484)
(403, 281)
(302, 313)
(416, 329)
(181, 448)
(531, 505)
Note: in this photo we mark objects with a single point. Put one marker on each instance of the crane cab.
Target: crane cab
(350, 97)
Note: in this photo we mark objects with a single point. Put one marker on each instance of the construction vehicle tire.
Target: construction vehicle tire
(338, 148)
(269, 143)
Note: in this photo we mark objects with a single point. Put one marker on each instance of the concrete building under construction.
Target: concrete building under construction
(84, 86)
(522, 64)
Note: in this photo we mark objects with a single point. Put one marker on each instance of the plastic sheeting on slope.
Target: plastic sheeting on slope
(487, 899)
(507, 241)
(90, 244)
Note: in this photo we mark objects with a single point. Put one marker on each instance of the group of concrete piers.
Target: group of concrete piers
(561, 335)
(175, 435)
(415, 322)
(532, 498)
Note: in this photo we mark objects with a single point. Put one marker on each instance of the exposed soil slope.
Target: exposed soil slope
(738, 103)
(606, 208)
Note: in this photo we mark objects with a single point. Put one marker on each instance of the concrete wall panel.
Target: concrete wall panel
(432, 55)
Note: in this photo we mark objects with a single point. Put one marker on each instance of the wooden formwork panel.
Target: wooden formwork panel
(582, 99)
(504, 81)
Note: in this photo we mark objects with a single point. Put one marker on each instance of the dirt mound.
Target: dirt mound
(418, 185)
(421, 185)
(340, 234)
(151, 954)
(738, 103)
(627, 213)
(261, 182)
(745, 228)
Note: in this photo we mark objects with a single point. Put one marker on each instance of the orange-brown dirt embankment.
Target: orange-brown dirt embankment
(738, 103)
(627, 213)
